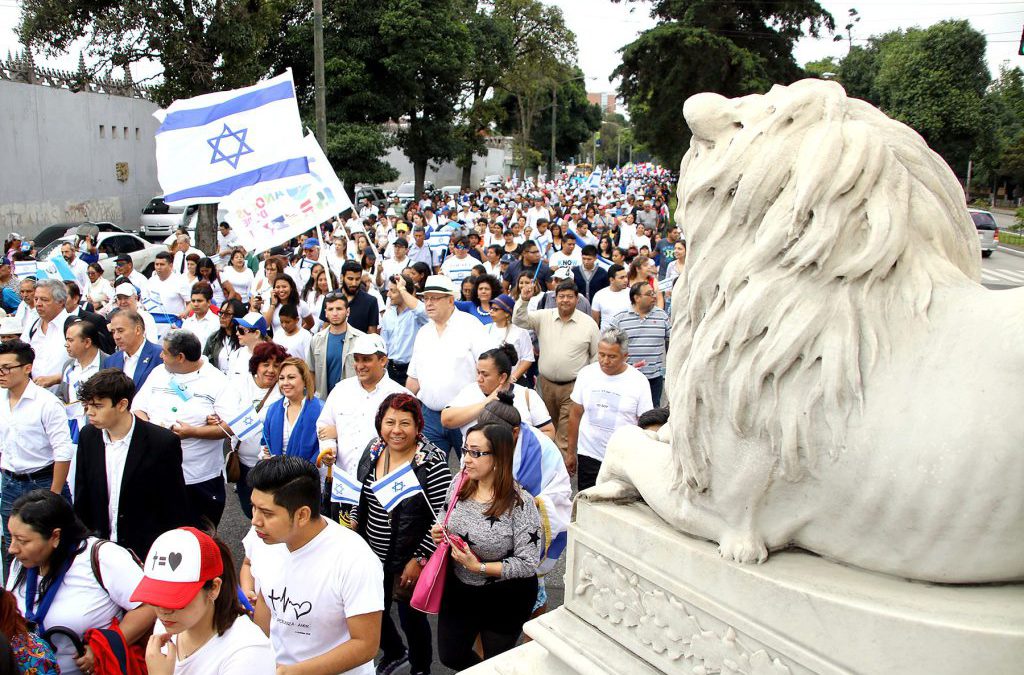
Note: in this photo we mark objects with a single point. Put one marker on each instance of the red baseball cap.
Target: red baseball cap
(178, 564)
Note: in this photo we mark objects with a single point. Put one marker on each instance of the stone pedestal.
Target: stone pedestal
(643, 598)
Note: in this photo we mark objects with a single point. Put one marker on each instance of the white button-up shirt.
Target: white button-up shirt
(445, 363)
(131, 361)
(116, 455)
(352, 411)
(73, 377)
(35, 433)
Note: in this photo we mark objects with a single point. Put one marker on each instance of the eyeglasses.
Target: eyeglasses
(6, 370)
(475, 454)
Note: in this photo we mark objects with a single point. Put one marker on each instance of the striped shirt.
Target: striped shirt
(648, 338)
(378, 522)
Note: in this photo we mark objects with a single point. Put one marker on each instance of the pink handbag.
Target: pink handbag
(426, 597)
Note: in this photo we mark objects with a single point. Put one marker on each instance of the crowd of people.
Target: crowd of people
(405, 375)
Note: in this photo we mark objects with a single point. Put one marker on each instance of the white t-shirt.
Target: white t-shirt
(456, 269)
(80, 602)
(202, 328)
(249, 392)
(243, 649)
(610, 303)
(528, 402)
(297, 344)
(513, 335)
(561, 259)
(352, 411)
(312, 591)
(609, 402)
(205, 392)
(170, 294)
(242, 281)
(304, 311)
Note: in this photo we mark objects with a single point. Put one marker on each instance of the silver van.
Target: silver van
(988, 230)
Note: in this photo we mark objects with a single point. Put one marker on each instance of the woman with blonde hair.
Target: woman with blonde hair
(290, 427)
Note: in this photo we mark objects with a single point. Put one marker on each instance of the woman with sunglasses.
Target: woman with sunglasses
(251, 330)
(224, 341)
(496, 537)
(401, 537)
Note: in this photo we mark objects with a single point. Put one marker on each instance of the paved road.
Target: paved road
(234, 526)
(1002, 270)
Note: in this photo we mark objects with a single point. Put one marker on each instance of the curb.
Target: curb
(1011, 251)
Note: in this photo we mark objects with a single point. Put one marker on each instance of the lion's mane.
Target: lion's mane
(804, 258)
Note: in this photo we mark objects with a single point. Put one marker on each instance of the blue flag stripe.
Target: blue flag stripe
(408, 492)
(289, 167)
(197, 117)
(391, 478)
(246, 432)
(557, 545)
(248, 411)
(352, 486)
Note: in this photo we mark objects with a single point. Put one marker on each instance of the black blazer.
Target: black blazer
(152, 497)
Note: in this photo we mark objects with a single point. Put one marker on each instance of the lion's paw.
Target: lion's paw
(614, 490)
(743, 547)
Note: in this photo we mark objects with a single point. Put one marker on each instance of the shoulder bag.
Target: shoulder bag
(430, 586)
(232, 462)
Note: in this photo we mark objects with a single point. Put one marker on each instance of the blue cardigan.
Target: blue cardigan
(303, 441)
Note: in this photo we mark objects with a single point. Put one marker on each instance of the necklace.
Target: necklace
(185, 653)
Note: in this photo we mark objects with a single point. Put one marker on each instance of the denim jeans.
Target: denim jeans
(657, 387)
(243, 490)
(446, 439)
(10, 490)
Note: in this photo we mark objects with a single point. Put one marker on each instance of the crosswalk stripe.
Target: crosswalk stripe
(1004, 275)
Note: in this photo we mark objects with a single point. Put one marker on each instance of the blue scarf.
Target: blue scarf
(37, 614)
(303, 441)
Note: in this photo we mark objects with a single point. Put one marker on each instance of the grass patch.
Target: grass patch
(1013, 239)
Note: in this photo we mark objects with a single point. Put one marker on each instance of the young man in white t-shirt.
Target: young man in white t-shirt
(292, 335)
(569, 256)
(614, 299)
(460, 265)
(607, 395)
(321, 601)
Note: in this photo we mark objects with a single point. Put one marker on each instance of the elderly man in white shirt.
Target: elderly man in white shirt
(348, 419)
(46, 333)
(35, 441)
(443, 359)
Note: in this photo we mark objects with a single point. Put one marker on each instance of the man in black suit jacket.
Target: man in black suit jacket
(145, 460)
(589, 276)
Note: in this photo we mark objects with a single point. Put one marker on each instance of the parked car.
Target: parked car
(111, 245)
(407, 191)
(492, 181)
(988, 230)
(159, 219)
(374, 193)
(451, 190)
(52, 232)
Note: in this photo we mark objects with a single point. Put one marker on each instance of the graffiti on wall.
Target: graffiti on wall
(32, 217)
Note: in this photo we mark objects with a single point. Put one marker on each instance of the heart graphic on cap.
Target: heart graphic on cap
(174, 559)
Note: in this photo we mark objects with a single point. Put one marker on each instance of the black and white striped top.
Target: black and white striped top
(378, 523)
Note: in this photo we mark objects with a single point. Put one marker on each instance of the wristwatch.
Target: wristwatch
(422, 561)
(483, 568)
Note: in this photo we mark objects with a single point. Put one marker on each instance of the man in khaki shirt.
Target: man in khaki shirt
(568, 341)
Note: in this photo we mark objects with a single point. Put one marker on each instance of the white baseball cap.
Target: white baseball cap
(369, 344)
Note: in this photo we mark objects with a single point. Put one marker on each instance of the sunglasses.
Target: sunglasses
(475, 454)
(244, 331)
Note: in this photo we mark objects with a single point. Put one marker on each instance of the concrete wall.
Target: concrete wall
(497, 161)
(57, 166)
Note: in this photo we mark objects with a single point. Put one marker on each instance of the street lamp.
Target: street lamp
(554, 118)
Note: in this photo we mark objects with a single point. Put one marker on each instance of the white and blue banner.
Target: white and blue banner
(247, 424)
(210, 146)
(345, 489)
(396, 487)
(55, 268)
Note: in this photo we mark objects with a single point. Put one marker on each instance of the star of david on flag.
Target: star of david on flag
(396, 487)
(345, 489)
(247, 424)
(211, 146)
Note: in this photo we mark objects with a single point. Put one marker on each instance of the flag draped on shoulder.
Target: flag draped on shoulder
(212, 145)
(396, 487)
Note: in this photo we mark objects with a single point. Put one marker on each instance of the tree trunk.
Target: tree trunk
(419, 170)
(467, 171)
(206, 229)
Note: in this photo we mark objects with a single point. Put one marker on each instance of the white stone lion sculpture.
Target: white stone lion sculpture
(838, 378)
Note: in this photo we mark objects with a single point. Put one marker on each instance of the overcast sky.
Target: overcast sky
(603, 27)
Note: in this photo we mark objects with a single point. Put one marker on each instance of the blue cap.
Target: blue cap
(310, 243)
(508, 258)
(253, 321)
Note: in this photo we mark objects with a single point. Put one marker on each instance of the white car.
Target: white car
(158, 219)
(988, 231)
(110, 245)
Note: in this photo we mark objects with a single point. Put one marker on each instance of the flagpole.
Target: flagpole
(327, 268)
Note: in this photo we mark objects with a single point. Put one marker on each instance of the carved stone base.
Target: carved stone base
(643, 598)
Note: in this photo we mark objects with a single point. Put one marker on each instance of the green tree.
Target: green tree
(934, 80)
(819, 68)
(733, 47)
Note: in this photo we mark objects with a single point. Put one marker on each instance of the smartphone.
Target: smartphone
(455, 540)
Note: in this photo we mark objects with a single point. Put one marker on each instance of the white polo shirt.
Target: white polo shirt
(168, 398)
(444, 364)
(51, 355)
(353, 411)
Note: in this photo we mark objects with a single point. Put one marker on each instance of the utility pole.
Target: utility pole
(618, 149)
(318, 73)
(554, 118)
(967, 185)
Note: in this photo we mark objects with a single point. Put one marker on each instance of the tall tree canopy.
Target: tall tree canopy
(733, 47)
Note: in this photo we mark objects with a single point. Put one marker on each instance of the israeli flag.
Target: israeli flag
(594, 181)
(210, 146)
(395, 488)
(345, 489)
(247, 424)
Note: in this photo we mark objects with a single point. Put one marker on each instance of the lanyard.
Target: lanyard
(33, 614)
